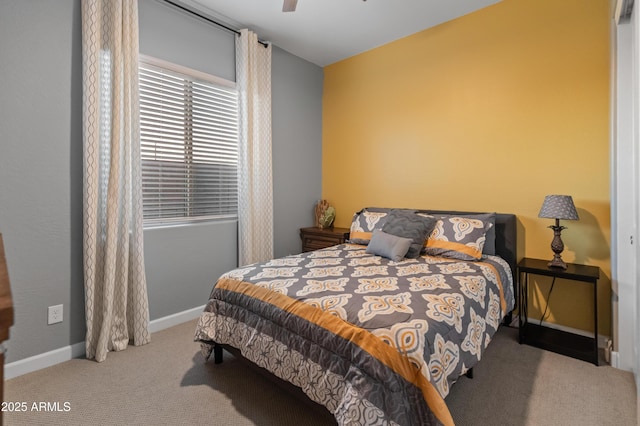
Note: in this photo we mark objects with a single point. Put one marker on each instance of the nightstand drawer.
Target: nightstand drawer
(318, 238)
(314, 242)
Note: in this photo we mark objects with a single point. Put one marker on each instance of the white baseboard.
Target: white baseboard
(77, 350)
(175, 319)
(47, 359)
(602, 340)
(615, 359)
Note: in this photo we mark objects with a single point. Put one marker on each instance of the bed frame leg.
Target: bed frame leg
(508, 318)
(217, 354)
(469, 373)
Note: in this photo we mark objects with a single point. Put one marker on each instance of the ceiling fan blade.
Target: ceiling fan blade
(289, 5)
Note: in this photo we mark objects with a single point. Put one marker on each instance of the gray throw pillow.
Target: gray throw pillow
(389, 246)
(407, 224)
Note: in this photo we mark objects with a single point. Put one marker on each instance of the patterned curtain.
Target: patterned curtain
(255, 187)
(116, 305)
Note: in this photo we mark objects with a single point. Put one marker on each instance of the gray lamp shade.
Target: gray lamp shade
(558, 207)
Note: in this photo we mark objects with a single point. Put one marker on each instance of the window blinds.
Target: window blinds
(189, 147)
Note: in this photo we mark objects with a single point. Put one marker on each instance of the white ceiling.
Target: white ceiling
(327, 31)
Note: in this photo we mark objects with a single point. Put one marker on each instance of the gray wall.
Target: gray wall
(297, 147)
(41, 170)
(41, 166)
(175, 36)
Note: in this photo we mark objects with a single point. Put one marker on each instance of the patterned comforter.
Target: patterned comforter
(374, 341)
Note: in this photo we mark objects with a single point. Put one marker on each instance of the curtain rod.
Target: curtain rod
(179, 6)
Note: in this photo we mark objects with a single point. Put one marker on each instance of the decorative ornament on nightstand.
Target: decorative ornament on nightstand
(558, 207)
(325, 214)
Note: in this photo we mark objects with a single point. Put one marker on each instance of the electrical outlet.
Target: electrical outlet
(55, 314)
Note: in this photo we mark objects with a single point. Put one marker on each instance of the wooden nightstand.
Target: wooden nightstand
(6, 315)
(315, 238)
(562, 342)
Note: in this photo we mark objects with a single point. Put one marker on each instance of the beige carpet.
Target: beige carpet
(168, 383)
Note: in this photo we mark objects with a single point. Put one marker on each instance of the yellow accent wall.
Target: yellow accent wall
(488, 112)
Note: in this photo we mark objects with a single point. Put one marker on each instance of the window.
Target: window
(189, 144)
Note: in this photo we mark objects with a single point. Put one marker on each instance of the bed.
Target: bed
(373, 339)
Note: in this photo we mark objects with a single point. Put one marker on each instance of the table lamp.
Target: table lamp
(558, 207)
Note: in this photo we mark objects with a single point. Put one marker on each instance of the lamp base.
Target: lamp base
(557, 262)
(557, 246)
